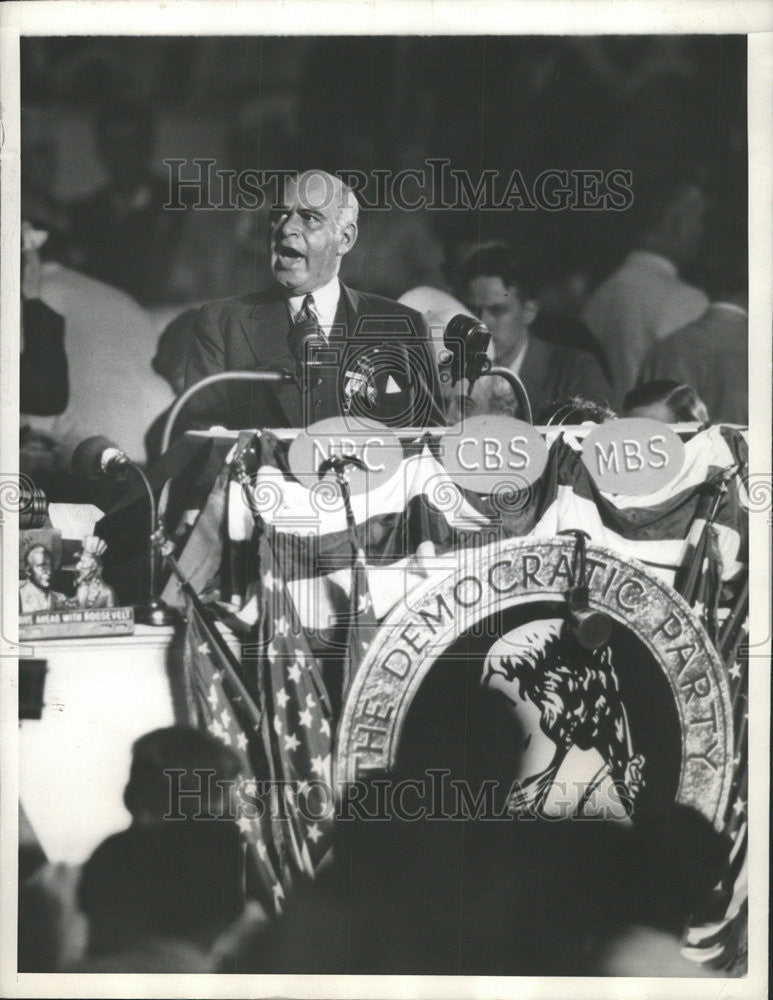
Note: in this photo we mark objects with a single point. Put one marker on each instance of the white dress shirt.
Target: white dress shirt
(325, 304)
(516, 363)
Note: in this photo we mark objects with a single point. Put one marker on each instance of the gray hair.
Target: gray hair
(344, 196)
(349, 208)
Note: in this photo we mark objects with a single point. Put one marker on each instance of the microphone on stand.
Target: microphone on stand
(99, 457)
(592, 629)
(307, 343)
(467, 340)
(303, 339)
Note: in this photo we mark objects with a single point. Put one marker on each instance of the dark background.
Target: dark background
(485, 102)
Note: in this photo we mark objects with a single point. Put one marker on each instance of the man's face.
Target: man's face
(39, 569)
(86, 567)
(501, 309)
(657, 410)
(305, 241)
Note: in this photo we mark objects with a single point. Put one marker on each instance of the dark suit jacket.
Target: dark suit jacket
(551, 371)
(711, 355)
(250, 333)
(44, 387)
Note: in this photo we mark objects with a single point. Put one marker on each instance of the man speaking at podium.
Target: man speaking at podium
(369, 356)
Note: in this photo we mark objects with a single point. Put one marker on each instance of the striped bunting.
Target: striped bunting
(420, 514)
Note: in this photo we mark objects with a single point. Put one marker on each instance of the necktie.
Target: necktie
(307, 313)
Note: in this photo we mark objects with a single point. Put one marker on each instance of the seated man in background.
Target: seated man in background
(646, 298)
(157, 898)
(665, 400)
(187, 752)
(502, 296)
(43, 379)
(170, 361)
(381, 359)
(559, 287)
(711, 354)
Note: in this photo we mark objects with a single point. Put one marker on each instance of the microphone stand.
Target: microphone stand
(519, 389)
(340, 466)
(261, 376)
(689, 584)
(155, 612)
(466, 341)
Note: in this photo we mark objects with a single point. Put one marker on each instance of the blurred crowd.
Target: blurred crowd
(475, 897)
(640, 311)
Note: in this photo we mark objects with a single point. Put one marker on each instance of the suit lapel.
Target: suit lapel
(265, 336)
(532, 372)
(539, 374)
(346, 313)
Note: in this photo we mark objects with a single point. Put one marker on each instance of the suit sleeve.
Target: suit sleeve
(207, 356)
(43, 375)
(661, 362)
(589, 382)
(619, 324)
(430, 411)
(650, 366)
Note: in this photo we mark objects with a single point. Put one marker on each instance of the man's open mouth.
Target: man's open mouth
(287, 254)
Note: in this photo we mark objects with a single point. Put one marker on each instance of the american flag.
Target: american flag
(224, 706)
(717, 935)
(300, 735)
(421, 515)
(698, 579)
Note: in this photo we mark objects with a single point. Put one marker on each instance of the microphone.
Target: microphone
(592, 629)
(303, 340)
(467, 339)
(306, 344)
(97, 456)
